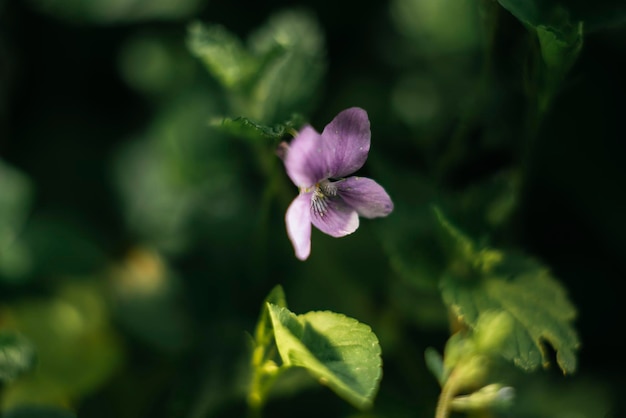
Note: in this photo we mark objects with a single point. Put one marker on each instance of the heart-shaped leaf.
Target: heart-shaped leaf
(339, 351)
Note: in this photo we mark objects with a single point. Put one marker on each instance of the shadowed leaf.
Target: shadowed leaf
(484, 280)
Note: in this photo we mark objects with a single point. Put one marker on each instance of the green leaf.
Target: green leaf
(17, 355)
(526, 11)
(434, 363)
(485, 280)
(264, 331)
(247, 128)
(560, 41)
(222, 53)
(340, 352)
(277, 76)
(560, 46)
(595, 15)
(264, 359)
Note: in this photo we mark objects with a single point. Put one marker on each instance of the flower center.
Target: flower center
(323, 191)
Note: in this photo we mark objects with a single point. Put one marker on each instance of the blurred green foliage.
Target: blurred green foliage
(75, 345)
(17, 355)
(142, 205)
(15, 202)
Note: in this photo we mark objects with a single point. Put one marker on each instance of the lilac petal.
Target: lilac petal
(303, 163)
(365, 195)
(346, 143)
(298, 221)
(337, 220)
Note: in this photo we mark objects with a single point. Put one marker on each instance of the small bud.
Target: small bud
(490, 396)
(270, 367)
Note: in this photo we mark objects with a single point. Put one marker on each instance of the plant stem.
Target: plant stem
(265, 372)
(448, 391)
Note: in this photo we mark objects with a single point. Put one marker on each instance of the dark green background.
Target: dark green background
(65, 110)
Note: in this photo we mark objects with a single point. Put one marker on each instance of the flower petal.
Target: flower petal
(298, 221)
(303, 161)
(365, 195)
(337, 220)
(346, 143)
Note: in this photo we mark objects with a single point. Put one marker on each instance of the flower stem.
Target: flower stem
(448, 392)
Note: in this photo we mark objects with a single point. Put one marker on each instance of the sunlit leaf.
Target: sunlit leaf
(340, 352)
(482, 279)
(17, 355)
(264, 329)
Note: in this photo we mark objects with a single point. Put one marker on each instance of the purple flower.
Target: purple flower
(318, 165)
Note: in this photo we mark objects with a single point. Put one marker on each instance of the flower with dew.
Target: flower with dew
(318, 164)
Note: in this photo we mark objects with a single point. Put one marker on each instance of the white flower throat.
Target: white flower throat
(324, 190)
